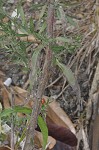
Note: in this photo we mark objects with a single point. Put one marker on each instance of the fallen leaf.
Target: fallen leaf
(58, 116)
(5, 95)
(5, 148)
(39, 140)
(20, 91)
(61, 133)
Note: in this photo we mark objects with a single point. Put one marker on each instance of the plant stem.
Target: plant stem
(42, 82)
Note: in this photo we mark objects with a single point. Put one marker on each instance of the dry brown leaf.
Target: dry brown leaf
(5, 148)
(20, 91)
(6, 97)
(29, 38)
(5, 19)
(2, 75)
(55, 113)
(39, 140)
(26, 84)
(60, 133)
(58, 116)
(51, 142)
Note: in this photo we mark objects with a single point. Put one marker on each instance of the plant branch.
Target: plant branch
(41, 82)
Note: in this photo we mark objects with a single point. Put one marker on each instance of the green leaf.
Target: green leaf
(62, 13)
(24, 31)
(31, 25)
(58, 13)
(34, 61)
(22, 15)
(71, 21)
(68, 73)
(63, 39)
(36, 6)
(23, 135)
(6, 112)
(42, 11)
(21, 35)
(57, 48)
(43, 27)
(34, 64)
(44, 130)
(20, 109)
(15, 109)
(2, 16)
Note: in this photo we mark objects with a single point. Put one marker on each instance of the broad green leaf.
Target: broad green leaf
(67, 72)
(63, 39)
(43, 27)
(71, 21)
(44, 130)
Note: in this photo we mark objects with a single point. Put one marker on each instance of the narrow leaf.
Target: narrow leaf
(67, 72)
(22, 15)
(23, 31)
(1, 16)
(44, 130)
(43, 27)
(15, 109)
(42, 11)
(31, 25)
(71, 21)
(6, 112)
(57, 48)
(20, 109)
(63, 39)
(62, 13)
(34, 64)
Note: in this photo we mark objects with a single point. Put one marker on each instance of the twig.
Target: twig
(50, 85)
(62, 91)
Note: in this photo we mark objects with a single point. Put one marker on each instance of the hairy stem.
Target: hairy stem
(42, 82)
